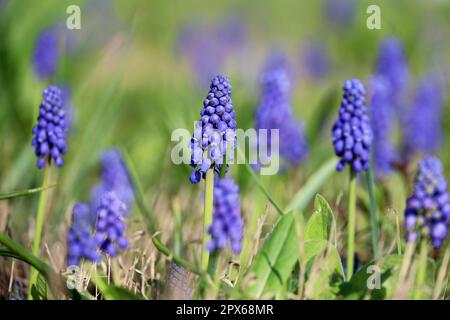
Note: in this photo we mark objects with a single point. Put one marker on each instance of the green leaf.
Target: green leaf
(357, 287)
(39, 290)
(276, 259)
(304, 195)
(320, 223)
(16, 194)
(112, 292)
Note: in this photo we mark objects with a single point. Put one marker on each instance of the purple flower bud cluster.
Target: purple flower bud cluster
(392, 65)
(81, 243)
(215, 133)
(46, 54)
(351, 132)
(275, 111)
(427, 212)
(100, 226)
(110, 226)
(114, 178)
(423, 131)
(49, 134)
(381, 116)
(227, 225)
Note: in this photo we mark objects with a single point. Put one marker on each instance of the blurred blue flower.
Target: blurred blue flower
(110, 226)
(315, 60)
(392, 65)
(114, 177)
(207, 46)
(81, 242)
(227, 225)
(215, 132)
(274, 111)
(341, 12)
(351, 133)
(46, 54)
(427, 213)
(423, 130)
(382, 115)
(49, 134)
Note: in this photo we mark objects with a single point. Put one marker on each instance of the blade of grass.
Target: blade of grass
(373, 210)
(261, 185)
(16, 194)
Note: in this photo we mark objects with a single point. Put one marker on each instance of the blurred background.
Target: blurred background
(139, 69)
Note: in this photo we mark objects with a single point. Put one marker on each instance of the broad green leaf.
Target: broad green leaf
(324, 284)
(357, 288)
(277, 257)
(320, 222)
(16, 194)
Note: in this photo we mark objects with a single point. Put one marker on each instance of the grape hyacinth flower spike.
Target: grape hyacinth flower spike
(352, 138)
(114, 177)
(275, 112)
(46, 54)
(213, 141)
(427, 213)
(352, 133)
(81, 243)
(49, 134)
(49, 141)
(215, 132)
(110, 226)
(227, 224)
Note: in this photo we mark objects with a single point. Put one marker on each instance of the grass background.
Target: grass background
(132, 86)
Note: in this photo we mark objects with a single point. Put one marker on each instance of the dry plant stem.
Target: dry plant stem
(441, 275)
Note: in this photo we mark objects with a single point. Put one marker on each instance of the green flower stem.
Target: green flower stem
(373, 212)
(212, 263)
(39, 226)
(351, 225)
(207, 215)
(421, 273)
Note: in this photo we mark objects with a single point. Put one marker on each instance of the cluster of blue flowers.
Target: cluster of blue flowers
(315, 60)
(110, 226)
(275, 111)
(423, 130)
(381, 116)
(81, 243)
(428, 209)
(351, 132)
(100, 226)
(208, 46)
(46, 54)
(114, 178)
(227, 223)
(215, 133)
(49, 134)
